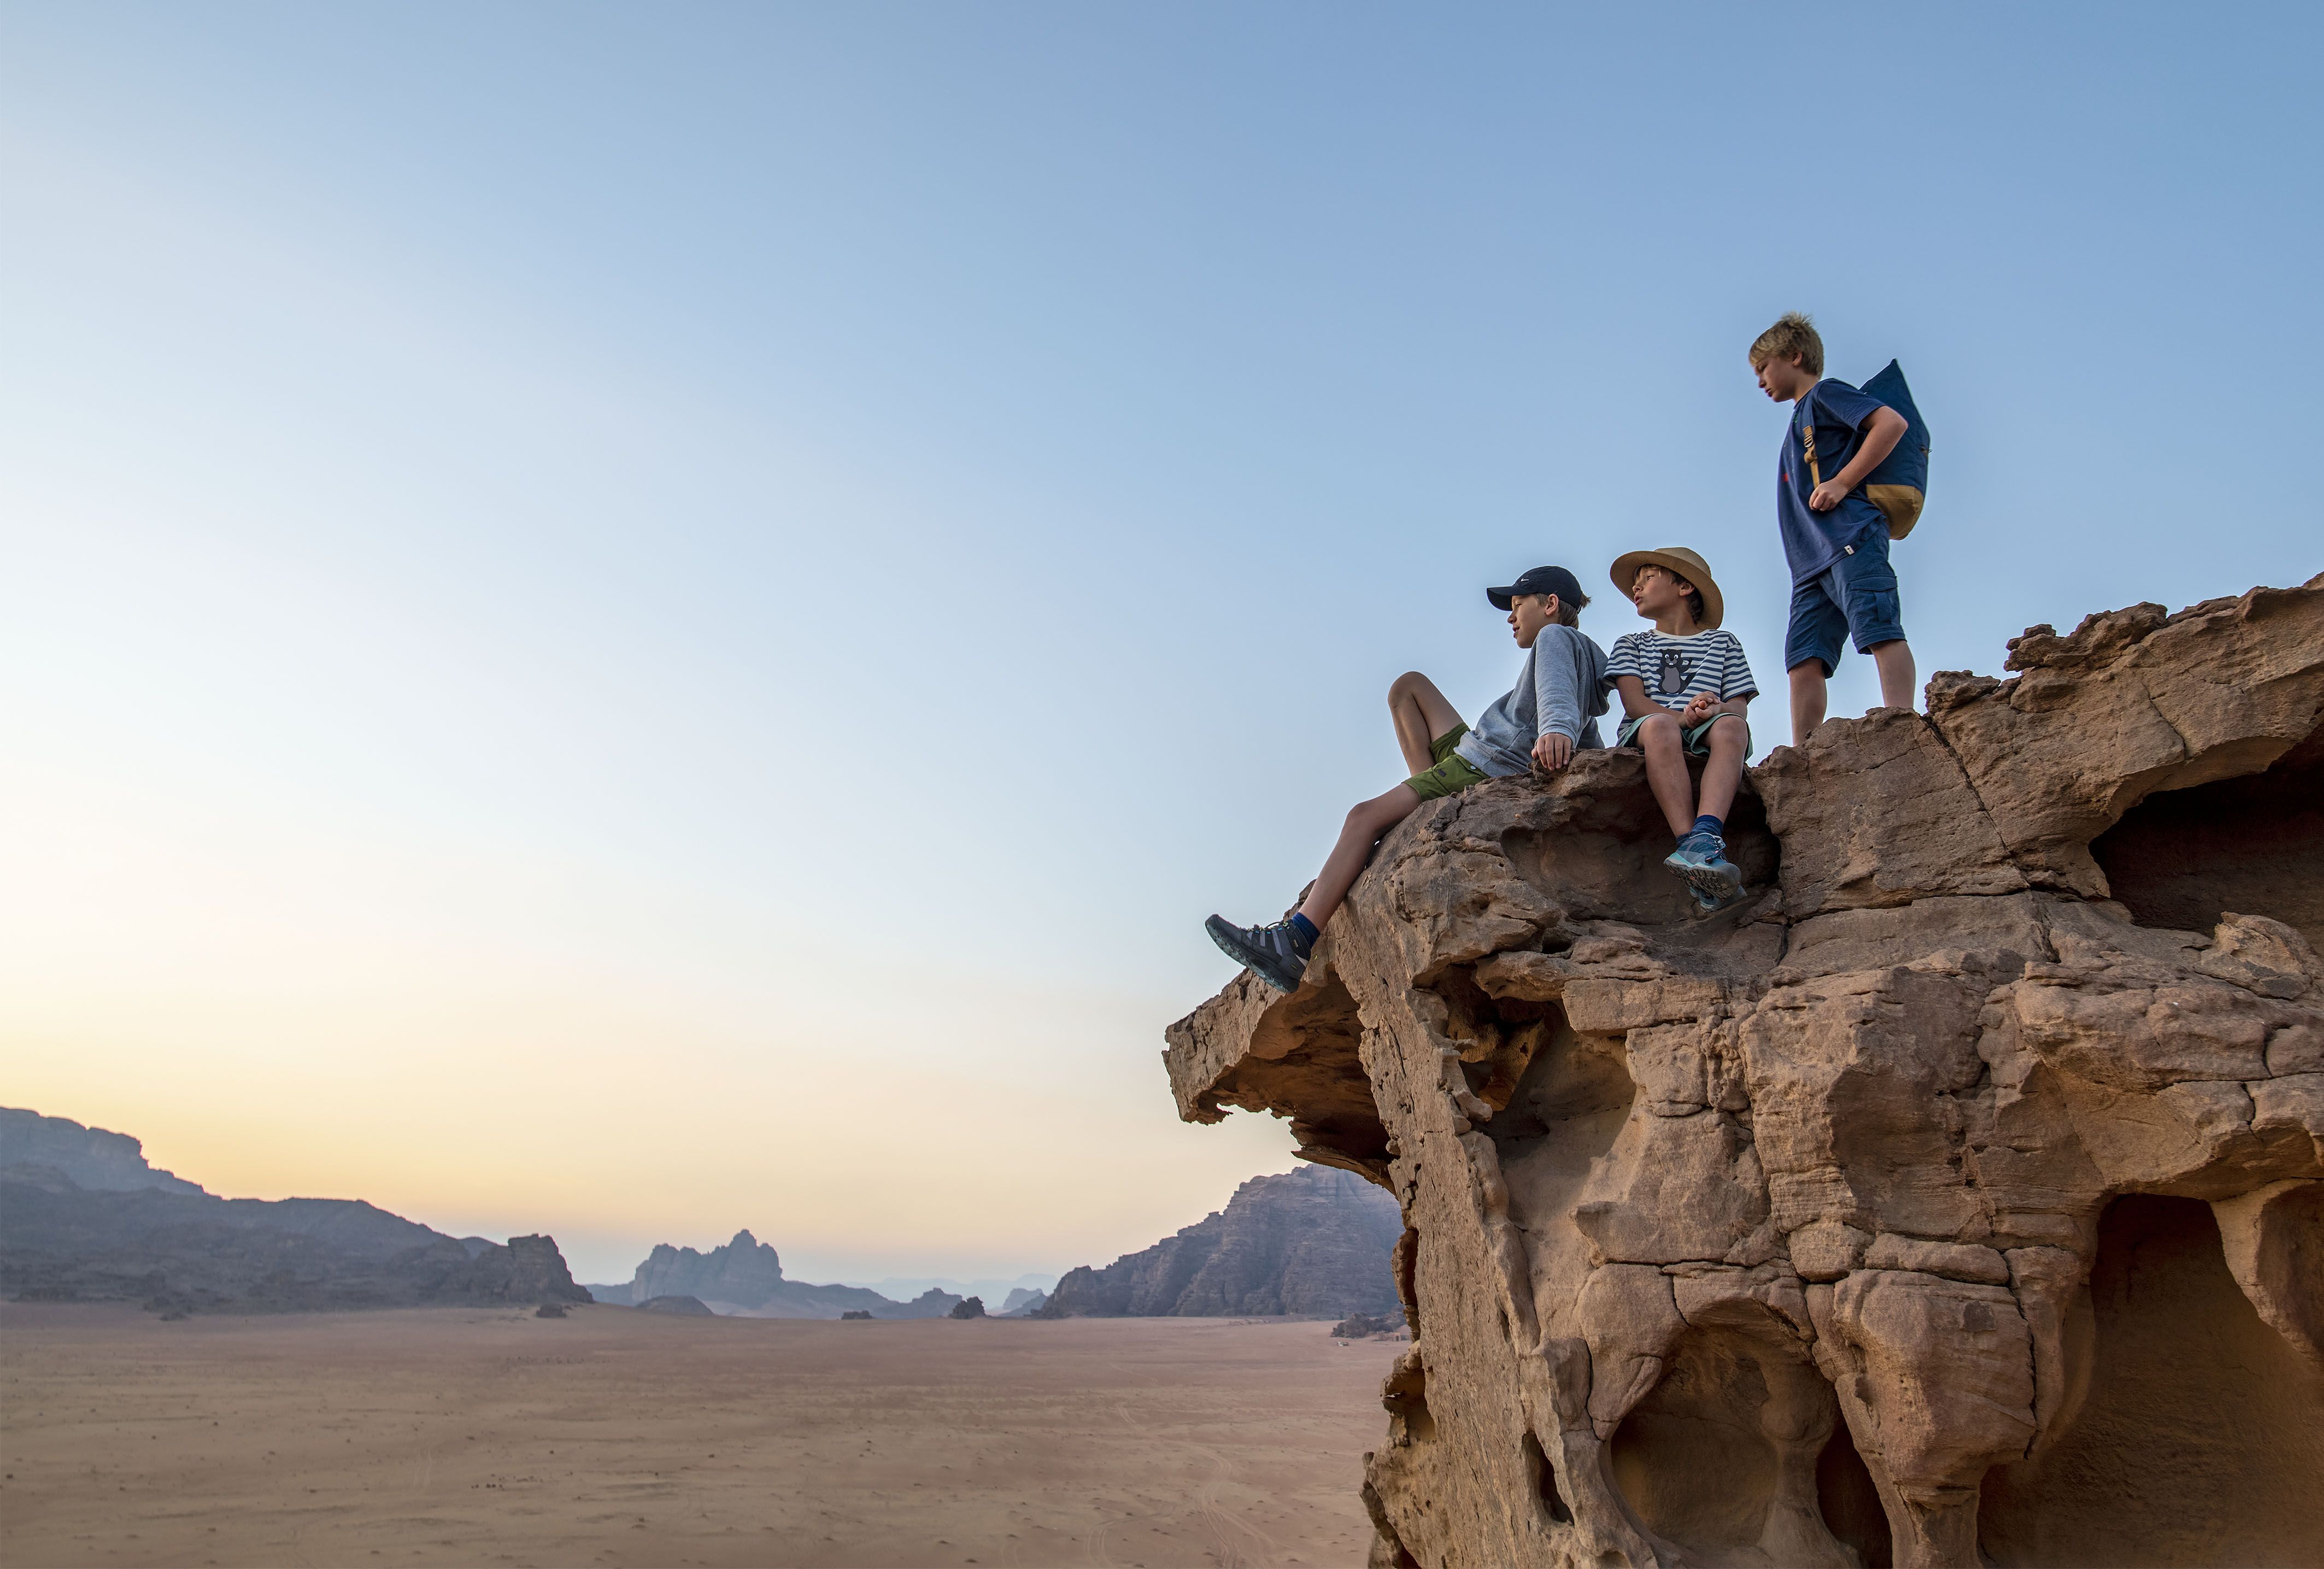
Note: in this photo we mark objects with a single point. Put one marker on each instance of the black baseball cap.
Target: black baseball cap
(1554, 581)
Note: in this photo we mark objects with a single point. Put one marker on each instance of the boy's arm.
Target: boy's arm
(1636, 704)
(1734, 678)
(1882, 431)
(1556, 697)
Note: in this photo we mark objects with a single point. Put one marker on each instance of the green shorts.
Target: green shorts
(1697, 736)
(1452, 774)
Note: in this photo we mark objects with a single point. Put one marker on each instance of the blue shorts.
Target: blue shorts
(1856, 594)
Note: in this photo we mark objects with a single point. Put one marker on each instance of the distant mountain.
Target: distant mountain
(684, 1307)
(1023, 1303)
(743, 1278)
(1313, 1242)
(95, 1160)
(164, 1241)
(992, 1288)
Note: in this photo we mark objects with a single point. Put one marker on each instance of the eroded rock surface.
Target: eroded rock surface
(1958, 1198)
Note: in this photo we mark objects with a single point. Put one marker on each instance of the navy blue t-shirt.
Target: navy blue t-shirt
(1812, 540)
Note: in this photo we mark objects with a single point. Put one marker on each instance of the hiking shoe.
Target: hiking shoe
(1712, 903)
(1276, 954)
(1701, 859)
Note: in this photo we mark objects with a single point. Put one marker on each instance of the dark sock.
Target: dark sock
(1714, 826)
(1304, 929)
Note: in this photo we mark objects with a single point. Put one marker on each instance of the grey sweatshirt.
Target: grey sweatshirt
(1562, 687)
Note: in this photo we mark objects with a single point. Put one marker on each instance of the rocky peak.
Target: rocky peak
(1314, 1241)
(1958, 1198)
(92, 1158)
(743, 1271)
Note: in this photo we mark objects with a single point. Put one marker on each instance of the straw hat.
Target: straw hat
(1683, 562)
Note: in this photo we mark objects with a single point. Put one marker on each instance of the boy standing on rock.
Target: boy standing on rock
(1540, 721)
(1686, 692)
(1835, 538)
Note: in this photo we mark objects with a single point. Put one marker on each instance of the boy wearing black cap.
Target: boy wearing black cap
(1540, 721)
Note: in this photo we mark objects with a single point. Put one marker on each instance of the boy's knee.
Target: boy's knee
(1658, 729)
(1407, 684)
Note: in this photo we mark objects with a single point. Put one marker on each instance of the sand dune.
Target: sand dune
(615, 1437)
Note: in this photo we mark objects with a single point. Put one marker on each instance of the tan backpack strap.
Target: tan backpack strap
(1807, 441)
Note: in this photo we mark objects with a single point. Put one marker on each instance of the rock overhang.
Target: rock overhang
(1846, 1147)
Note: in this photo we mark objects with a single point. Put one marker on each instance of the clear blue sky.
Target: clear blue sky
(642, 620)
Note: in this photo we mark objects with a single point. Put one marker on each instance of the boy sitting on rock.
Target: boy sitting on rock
(1685, 689)
(1539, 722)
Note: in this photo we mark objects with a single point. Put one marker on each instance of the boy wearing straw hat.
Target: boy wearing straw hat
(1685, 689)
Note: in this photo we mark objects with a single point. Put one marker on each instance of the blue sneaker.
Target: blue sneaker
(1711, 904)
(1701, 859)
(1276, 954)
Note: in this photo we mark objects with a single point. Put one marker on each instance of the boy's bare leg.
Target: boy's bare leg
(1420, 714)
(1898, 687)
(1366, 821)
(1659, 736)
(1724, 771)
(1808, 690)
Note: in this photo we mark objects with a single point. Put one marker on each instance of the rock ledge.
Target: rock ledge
(1959, 1197)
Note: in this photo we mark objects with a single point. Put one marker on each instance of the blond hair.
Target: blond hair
(1569, 611)
(1793, 334)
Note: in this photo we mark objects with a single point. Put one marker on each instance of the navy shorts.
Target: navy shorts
(1856, 594)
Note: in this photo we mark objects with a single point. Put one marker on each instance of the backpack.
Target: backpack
(1900, 482)
(1897, 486)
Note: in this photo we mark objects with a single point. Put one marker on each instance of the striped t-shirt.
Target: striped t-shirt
(1676, 669)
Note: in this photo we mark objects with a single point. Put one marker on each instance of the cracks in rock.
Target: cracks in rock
(1970, 774)
(2034, 1435)
(1543, 1477)
(1403, 1263)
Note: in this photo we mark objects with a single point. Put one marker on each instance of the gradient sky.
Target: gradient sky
(638, 619)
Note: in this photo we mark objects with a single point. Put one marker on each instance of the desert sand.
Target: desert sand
(616, 1437)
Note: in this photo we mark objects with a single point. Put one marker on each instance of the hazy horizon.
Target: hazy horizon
(637, 624)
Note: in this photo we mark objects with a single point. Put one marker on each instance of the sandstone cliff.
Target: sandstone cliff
(1955, 1198)
(1308, 1241)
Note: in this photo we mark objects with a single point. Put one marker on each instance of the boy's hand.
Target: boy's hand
(1553, 749)
(1701, 708)
(1882, 431)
